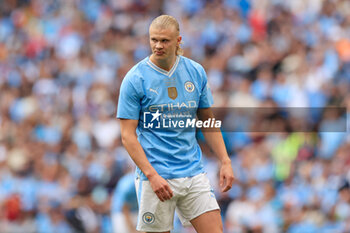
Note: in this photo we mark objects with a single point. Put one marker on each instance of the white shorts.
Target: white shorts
(192, 196)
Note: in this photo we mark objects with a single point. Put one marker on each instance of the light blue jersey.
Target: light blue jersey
(174, 153)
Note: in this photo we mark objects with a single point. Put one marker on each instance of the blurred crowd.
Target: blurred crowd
(61, 65)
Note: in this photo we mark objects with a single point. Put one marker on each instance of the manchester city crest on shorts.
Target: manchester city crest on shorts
(148, 218)
(189, 86)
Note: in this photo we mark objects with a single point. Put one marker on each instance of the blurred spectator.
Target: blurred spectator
(124, 204)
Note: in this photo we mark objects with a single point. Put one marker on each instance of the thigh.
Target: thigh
(198, 200)
(209, 222)
(154, 215)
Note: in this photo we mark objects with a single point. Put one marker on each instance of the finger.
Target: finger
(170, 191)
(228, 184)
(160, 195)
(227, 187)
(167, 193)
(222, 177)
(166, 196)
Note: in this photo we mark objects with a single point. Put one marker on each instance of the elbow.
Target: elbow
(124, 140)
(127, 139)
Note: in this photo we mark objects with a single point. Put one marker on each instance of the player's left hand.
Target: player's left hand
(226, 176)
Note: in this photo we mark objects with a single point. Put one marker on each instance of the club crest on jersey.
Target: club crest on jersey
(172, 92)
(148, 218)
(189, 86)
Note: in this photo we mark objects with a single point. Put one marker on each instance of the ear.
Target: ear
(179, 38)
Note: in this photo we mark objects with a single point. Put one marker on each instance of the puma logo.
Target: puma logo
(153, 91)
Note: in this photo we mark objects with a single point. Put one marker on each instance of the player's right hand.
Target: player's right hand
(161, 187)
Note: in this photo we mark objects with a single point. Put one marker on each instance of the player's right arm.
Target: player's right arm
(129, 139)
(129, 107)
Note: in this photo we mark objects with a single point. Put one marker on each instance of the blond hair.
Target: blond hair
(164, 22)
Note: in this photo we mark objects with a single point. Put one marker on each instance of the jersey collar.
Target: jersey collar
(160, 70)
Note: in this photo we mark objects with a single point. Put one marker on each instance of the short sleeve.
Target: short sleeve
(129, 103)
(206, 98)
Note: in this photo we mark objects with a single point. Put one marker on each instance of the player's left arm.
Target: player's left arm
(216, 143)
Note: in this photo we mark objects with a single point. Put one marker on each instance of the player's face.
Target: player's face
(164, 42)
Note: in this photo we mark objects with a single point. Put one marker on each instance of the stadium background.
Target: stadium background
(61, 65)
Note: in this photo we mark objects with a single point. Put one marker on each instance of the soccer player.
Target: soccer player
(169, 172)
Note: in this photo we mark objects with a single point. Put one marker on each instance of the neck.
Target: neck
(165, 64)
